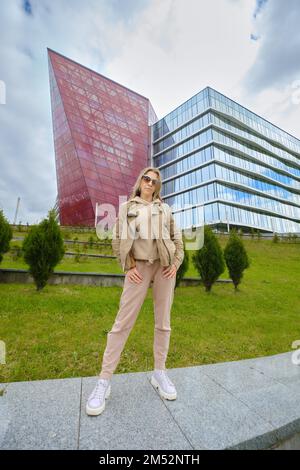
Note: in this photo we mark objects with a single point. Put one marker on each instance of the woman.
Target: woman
(149, 247)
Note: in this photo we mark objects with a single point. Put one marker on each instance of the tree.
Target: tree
(6, 234)
(43, 249)
(209, 260)
(236, 258)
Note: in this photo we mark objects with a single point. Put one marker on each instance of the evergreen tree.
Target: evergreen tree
(43, 249)
(6, 234)
(236, 258)
(209, 260)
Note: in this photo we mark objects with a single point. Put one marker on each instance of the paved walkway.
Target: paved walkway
(254, 403)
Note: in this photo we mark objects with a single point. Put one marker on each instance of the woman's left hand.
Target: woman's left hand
(169, 271)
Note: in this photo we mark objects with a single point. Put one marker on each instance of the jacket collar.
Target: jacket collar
(143, 201)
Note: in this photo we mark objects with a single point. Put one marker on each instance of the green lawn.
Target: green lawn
(61, 331)
(99, 265)
(95, 265)
(82, 236)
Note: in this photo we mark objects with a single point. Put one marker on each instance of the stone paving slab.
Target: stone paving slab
(248, 404)
(135, 417)
(211, 416)
(42, 414)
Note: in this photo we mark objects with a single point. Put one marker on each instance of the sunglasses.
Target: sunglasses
(148, 179)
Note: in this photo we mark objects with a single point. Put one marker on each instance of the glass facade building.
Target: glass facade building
(241, 169)
(101, 135)
(213, 154)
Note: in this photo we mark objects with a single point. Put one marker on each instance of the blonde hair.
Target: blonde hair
(136, 188)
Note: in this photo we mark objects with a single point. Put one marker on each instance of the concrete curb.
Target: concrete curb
(11, 276)
(248, 404)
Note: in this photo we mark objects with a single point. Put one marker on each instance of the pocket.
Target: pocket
(132, 213)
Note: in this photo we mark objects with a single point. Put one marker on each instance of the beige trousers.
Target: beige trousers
(131, 301)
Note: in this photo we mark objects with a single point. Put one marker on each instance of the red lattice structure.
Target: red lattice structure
(101, 139)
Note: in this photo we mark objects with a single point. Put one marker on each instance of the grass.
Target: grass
(95, 265)
(61, 331)
(256, 248)
(81, 236)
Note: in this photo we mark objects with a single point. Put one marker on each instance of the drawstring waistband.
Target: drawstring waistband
(148, 261)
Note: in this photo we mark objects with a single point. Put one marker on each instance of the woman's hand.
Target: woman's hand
(134, 276)
(169, 271)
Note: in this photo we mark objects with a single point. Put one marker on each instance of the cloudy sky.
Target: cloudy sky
(167, 50)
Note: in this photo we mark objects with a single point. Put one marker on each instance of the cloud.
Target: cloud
(88, 33)
(27, 7)
(178, 48)
(270, 84)
(259, 6)
(277, 62)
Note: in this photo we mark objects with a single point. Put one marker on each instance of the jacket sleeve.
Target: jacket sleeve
(116, 235)
(176, 237)
(117, 231)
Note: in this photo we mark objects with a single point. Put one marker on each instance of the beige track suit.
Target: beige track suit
(146, 253)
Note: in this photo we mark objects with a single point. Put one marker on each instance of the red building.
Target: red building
(101, 138)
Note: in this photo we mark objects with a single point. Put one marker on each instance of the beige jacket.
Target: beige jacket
(168, 235)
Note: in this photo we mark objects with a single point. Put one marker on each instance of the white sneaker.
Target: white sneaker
(163, 383)
(96, 401)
